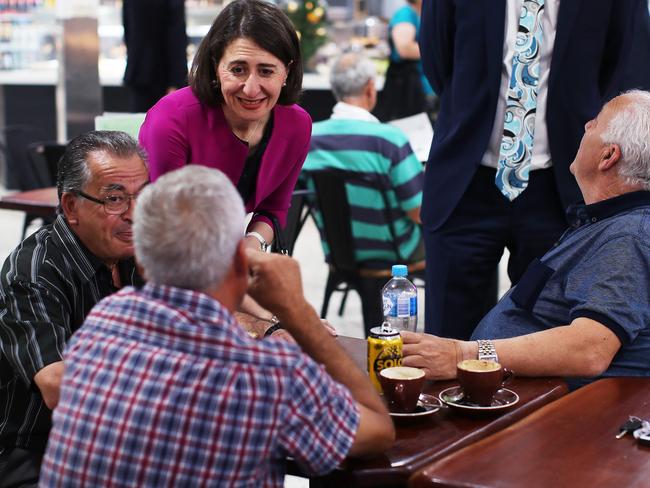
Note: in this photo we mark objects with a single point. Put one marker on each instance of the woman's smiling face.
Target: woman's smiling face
(250, 79)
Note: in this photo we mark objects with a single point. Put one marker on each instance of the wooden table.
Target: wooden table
(570, 442)
(41, 202)
(423, 441)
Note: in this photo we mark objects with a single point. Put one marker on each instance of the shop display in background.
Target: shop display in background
(13, 6)
(308, 17)
(24, 41)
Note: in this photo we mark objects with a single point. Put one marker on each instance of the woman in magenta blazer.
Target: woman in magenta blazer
(239, 114)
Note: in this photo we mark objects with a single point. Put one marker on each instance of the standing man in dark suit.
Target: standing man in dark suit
(498, 171)
(156, 44)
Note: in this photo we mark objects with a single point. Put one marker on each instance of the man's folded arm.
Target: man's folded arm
(34, 327)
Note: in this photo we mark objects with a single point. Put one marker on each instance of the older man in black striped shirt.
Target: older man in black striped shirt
(53, 278)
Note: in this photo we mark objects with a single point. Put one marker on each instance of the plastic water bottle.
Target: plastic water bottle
(400, 300)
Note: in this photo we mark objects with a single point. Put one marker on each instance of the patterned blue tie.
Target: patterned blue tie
(521, 103)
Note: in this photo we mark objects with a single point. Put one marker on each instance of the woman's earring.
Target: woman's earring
(285, 83)
(214, 84)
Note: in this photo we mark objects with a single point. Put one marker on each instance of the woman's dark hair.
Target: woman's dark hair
(264, 24)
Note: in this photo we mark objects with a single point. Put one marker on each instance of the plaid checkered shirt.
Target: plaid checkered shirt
(163, 388)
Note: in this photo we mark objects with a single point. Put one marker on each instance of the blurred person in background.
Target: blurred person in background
(156, 56)
(406, 90)
(239, 113)
(352, 139)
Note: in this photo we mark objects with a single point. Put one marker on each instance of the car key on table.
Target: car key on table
(632, 424)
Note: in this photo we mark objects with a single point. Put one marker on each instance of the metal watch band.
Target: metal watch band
(263, 244)
(487, 351)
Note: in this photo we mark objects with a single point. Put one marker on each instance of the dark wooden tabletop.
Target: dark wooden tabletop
(41, 202)
(569, 443)
(420, 442)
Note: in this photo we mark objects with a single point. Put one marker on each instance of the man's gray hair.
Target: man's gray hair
(187, 226)
(349, 75)
(73, 172)
(630, 129)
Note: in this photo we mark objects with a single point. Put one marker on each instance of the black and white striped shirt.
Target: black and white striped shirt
(48, 285)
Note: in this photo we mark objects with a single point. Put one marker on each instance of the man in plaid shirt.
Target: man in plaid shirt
(163, 387)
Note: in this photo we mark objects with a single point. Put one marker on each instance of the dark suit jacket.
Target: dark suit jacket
(638, 69)
(156, 42)
(461, 43)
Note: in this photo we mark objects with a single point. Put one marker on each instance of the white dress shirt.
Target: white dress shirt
(346, 111)
(541, 157)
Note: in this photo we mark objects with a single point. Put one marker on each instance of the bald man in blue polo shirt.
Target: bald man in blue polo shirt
(582, 311)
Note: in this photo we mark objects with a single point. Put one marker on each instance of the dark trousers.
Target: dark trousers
(143, 98)
(463, 255)
(20, 468)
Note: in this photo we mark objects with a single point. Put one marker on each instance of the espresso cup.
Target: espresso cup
(481, 379)
(401, 386)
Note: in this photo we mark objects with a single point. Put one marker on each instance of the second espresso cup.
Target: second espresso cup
(481, 379)
(401, 386)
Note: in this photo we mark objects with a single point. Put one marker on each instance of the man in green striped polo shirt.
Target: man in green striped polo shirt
(354, 140)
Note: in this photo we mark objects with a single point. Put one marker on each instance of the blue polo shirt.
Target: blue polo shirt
(599, 269)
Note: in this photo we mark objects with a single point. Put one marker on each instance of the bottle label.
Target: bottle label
(400, 305)
(387, 304)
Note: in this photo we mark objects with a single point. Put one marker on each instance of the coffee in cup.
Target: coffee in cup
(480, 380)
(401, 386)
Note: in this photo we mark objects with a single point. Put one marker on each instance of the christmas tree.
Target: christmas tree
(308, 17)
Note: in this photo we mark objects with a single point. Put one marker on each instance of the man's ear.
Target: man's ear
(70, 207)
(610, 156)
(370, 87)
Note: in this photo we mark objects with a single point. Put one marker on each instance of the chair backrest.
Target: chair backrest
(335, 211)
(298, 213)
(46, 154)
(21, 173)
(126, 122)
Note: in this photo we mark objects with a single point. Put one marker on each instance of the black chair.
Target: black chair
(345, 272)
(299, 210)
(46, 154)
(25, 168)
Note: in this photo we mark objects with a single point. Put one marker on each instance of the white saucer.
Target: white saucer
(503, 399)
(427, 404)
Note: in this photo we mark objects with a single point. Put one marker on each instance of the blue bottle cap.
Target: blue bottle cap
(400, 270)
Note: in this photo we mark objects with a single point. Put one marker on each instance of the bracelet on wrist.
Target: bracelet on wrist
(272, 329)
(263, 244)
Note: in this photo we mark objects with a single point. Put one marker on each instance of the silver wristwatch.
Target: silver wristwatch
(263, 244)
(487, 351)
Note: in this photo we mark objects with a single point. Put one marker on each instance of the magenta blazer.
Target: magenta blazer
(179, 130)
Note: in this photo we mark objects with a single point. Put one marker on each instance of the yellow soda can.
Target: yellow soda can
(384, 351)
